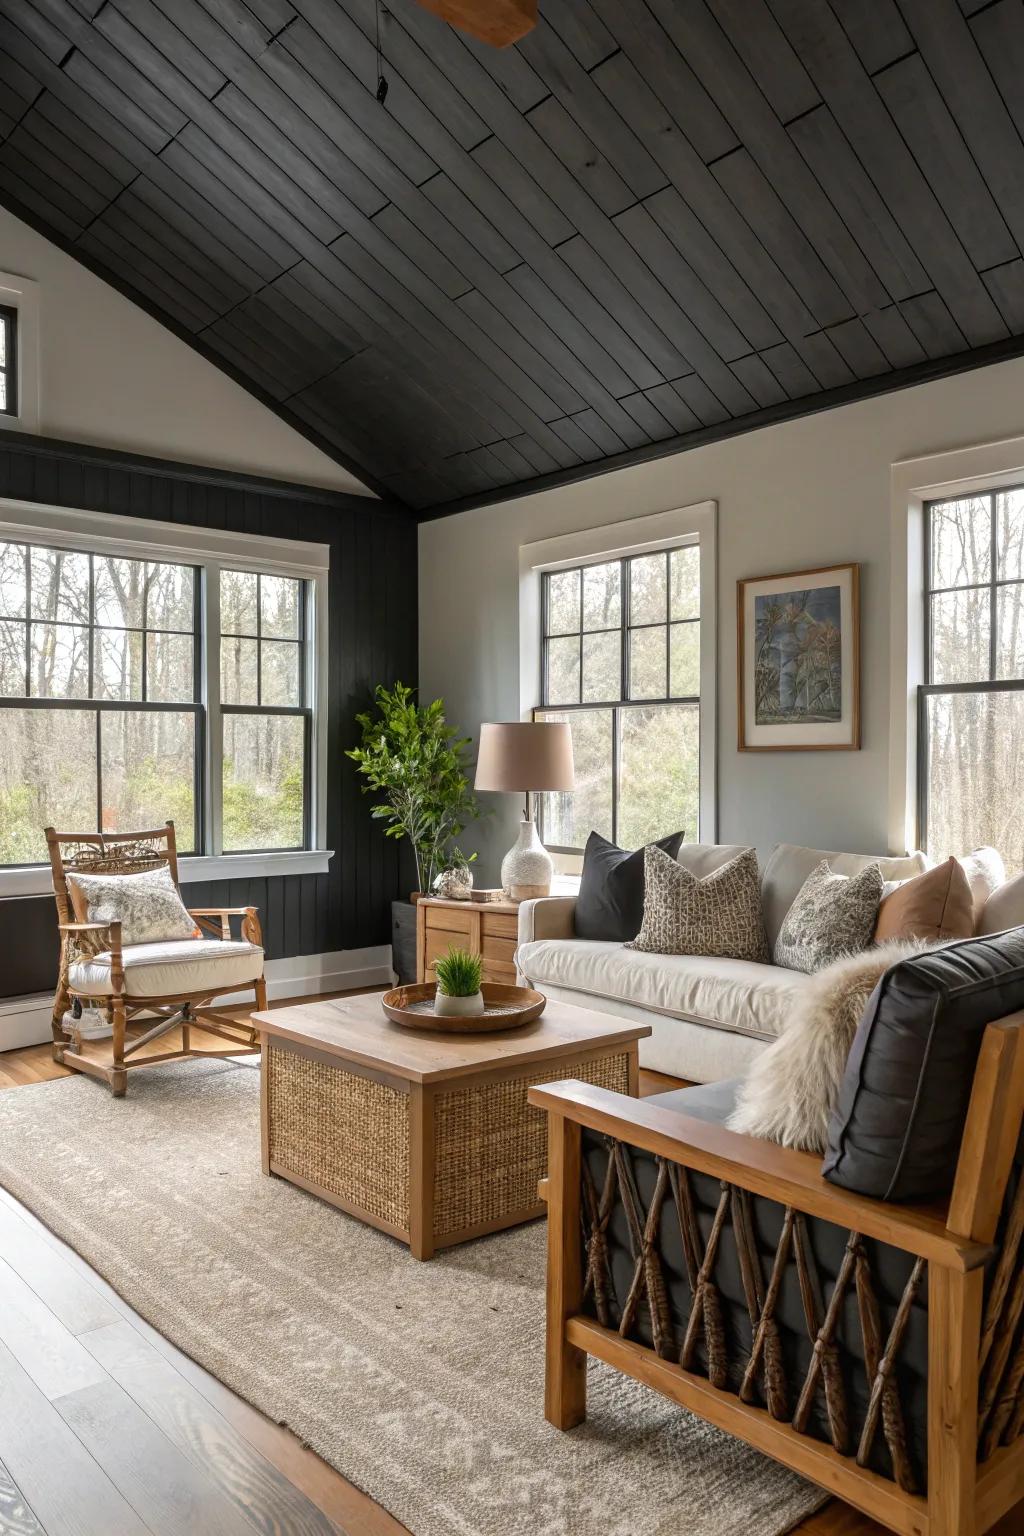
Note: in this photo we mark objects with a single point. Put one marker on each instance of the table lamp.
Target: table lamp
(520, 759)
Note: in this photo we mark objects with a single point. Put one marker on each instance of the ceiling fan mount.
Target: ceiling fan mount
(496, 22)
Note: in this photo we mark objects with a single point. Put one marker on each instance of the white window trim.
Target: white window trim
(614, 541)
(913, 482)
(112, 534)
(22, 294)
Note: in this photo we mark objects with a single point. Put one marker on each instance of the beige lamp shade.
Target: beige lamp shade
(518, 757)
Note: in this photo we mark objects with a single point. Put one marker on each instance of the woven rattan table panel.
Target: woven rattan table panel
(342, 1132)
(491, 1146)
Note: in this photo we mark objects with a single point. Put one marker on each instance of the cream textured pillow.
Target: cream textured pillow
(789, 1093)
(985, 872)
(717, 915)
(833, 915)
(146, 905)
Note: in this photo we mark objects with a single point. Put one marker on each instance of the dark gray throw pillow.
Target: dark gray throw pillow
(897, 1127)
(610, 904)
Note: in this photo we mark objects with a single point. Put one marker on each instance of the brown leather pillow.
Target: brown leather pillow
(935, 905)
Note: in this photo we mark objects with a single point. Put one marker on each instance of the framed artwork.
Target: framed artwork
(798, 648)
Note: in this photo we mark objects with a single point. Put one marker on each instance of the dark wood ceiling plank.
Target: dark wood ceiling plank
(757, 38)
(155, 38)
(999, 34)
(267, 317)
(829, 155)
(719, 325)
(218, 177)
(813, 30)
(859, 348)
(542, 461)
(238, 19)
(876, 29)
(514, 460)
(909, 92)
(18, 88)
(155, 234)
(669, 73)
(53, 43)
(897, 341)
(274, 14)
(702, 401)
(109, 94)
(698, 36)
(510, 69)
(784, 239)
(464, 216)
(423, 253)
(576, 439)
(1006, 285)
(75, 157)
(549, 393)
(580, 97)
(581, 157)
(665, 359)
(948, 47)
(150, 276)
(36, 203)
(45, 192)
(669, 402)
(611, 379)
(581, 29)
(68, 125)
(759, 379)
(791, 371)
(702, 194)
(167, 197)
(47, 163)
(646, 414)
(933, 325)
(518, 185)
(312, 313)
(606, 439)
(821, 357)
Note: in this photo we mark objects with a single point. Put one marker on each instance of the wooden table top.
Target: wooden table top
(357, 1029)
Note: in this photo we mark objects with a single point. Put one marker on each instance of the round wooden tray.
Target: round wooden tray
(504, 1008)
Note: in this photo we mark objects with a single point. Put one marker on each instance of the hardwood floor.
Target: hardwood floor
(106, 1429)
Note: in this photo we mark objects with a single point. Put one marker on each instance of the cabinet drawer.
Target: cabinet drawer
(450, 919)
(495, 970)
(438, 944)
(501, 950)
(503, 925)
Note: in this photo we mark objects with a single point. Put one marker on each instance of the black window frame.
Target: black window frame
(625, 702)
(9, 368)
(992, 684)
(99, 707)
(304, 708)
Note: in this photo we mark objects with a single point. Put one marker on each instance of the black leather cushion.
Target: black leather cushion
(890, 1272)
(610, 904)
(897, 1127)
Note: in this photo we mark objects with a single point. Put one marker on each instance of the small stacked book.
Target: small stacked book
(497, 894)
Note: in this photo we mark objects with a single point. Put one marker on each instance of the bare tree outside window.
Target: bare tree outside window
(971, 706)
(621, 664)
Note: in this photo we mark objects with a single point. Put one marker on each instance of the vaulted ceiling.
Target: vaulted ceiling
(648, 223)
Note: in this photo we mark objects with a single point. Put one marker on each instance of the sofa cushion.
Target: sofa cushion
(1003, 909)
(610, 904)
(936, 905)
(705, 1101)
(173, 969)
(741, 995)
(719, 914)
(789, 865)
(898, 1125)
(985, 873)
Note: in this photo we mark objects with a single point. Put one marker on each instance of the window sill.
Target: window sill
(37, 880)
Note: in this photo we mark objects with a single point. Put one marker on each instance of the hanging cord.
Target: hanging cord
(382, 84)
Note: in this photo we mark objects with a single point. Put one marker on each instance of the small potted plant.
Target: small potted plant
(458, 992)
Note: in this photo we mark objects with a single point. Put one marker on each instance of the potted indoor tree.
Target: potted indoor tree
(416, 764)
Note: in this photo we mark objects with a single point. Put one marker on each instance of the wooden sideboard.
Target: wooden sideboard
(488, 929)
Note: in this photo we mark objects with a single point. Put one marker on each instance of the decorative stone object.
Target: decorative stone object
(455, 884)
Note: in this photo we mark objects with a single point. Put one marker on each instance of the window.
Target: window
(971, 705)
(266, 720)
(8, 361)
(621, 663)
(109, 710)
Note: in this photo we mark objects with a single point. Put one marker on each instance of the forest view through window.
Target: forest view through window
(971, 706)
(621, 664)
(104, 723)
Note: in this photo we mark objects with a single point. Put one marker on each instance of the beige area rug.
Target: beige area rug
(421, 1383)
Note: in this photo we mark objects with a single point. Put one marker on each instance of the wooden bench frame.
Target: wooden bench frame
(970, 1486)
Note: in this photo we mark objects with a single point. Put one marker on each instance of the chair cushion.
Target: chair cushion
(789, 865)
(610, 904)
(740, 995)
(898, 1125)
(172, 969)
(705, 1101)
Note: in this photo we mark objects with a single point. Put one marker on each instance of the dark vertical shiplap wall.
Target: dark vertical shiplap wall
(372, 639)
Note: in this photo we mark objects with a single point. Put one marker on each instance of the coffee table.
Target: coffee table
(425, 1135)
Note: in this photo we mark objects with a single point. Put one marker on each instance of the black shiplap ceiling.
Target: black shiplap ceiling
(649, 222)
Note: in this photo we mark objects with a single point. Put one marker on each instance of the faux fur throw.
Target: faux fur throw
(789, 1093)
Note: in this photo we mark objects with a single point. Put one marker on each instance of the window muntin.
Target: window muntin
(266, 717)
(104, 714)
(971, 705)
(8, 361)
(621, 664)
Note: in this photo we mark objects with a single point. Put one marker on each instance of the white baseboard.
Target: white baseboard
(26, 1020)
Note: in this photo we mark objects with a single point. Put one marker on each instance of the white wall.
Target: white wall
(807, 493)
(114, 378)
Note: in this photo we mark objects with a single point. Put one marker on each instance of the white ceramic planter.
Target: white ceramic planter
(458, 1007)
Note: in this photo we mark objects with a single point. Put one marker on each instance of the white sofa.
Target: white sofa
(710, 1017)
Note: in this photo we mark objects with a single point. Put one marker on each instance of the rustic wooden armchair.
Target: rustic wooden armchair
(875, 1348)
(171, 984)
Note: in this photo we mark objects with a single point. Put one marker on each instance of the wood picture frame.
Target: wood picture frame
(798, 660)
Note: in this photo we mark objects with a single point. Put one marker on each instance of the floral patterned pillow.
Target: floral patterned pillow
(147, 905)
(833, 915)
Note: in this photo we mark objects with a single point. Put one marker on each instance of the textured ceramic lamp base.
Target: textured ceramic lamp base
(527, 868)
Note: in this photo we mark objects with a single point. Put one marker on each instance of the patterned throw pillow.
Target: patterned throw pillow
(146, 905)
(833, 915)
(717, 915)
